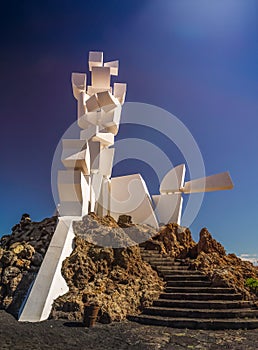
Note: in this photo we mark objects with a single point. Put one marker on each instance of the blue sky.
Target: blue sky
(196, 59)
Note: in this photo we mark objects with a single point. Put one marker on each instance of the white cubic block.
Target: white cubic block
(79, 161)
(95, 59)
(92, 104)
(71, 146)
(111, 120)
(69, 185)
(114, 65)
(120, 91)
(105, 138)
(168, 208)
(173, 181)
(100, 77)
(106, 101)
(79, 81)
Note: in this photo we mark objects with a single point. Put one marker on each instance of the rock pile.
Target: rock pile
(223, 269)
(21, 255)
(208, 255)
(115, 278)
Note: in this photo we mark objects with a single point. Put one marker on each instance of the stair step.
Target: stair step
(196, 323)
(173, 268)
(213, 290)
(188, 283)
(185, 277)
(202, 304)
(168, 272)
(201, 313)
(200, 296)
(162, 263)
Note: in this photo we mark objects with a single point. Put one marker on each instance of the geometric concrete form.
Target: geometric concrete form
(95, 59)
(218, 182)
(69, 185)
(168, 208)
(93, 90)
(96, 185)
(173, 181)
(120, 92)
(71, 147)
(103, 204)
(95, 149)
(106, 101)
(86, 193)
(111, 120)
(92, 104)
(105, 138)
(114, 65)
(79, 81)
(106, 158)
(100, 77)
(49, 283)
(129, 195)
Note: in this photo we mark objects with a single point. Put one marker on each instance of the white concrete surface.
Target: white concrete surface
(49, 283)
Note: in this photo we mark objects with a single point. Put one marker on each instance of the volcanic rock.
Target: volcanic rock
(114, 276)
(21, 255)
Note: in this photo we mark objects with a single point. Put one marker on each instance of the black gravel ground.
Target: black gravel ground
(65, 335)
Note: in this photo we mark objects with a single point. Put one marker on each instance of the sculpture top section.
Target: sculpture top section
(99, 104)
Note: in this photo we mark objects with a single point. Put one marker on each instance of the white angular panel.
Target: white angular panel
(79, 161)
(92, 104)
(114, 65)
(211, 183)
(89, 133)
(129, 196)
(173, 181)
(81, 104)
(86, 189)
(71, 146)
(95, 59)
(49, 283)
(168, 208)
(106, 101)
(96, 185)
(79, 81)
(120, 91)
(100, 77)
(69, 185)
(105, 138)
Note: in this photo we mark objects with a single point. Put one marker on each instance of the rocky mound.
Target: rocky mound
(21, 254)
(117, 279)
(106, 267)
(207, 255)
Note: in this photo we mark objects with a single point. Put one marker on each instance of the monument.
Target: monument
(86, 185)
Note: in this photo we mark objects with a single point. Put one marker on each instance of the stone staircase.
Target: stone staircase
(189, 300)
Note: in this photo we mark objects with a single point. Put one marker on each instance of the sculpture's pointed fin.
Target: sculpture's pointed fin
(217, 182)
(173, 180)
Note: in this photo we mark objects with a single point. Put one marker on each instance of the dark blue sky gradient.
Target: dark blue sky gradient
(196, 59)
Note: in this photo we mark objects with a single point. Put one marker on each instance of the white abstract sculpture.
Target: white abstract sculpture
(86, 184)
